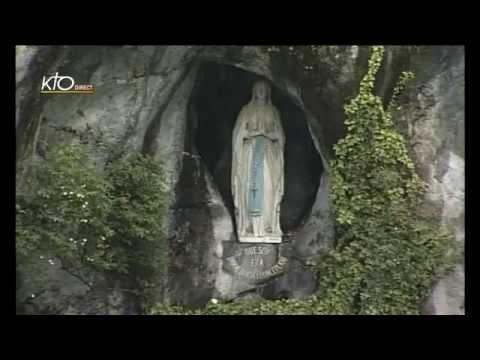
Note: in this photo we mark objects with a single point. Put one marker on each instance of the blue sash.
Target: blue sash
(255, 192)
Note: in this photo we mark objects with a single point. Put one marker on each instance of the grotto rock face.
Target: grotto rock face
(432, 116)
(178, 104)
(139, 105)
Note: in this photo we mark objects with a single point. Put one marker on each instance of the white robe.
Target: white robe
(257, 119)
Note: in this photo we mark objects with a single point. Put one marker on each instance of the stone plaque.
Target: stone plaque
(256, 263)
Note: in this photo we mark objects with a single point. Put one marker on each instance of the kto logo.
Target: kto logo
(64, 85)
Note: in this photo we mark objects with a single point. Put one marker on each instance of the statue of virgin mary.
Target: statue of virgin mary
(257, 169)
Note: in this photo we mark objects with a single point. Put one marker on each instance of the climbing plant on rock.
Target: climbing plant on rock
(388, 254)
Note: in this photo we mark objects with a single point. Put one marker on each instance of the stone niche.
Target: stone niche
(208, 259)
(220, 92)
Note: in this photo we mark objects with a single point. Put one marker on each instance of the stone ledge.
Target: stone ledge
(264, 239)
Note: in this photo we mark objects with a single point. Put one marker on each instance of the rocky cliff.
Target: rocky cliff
(179, 104)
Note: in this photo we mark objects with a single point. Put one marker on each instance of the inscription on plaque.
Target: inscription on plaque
(255, 263)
